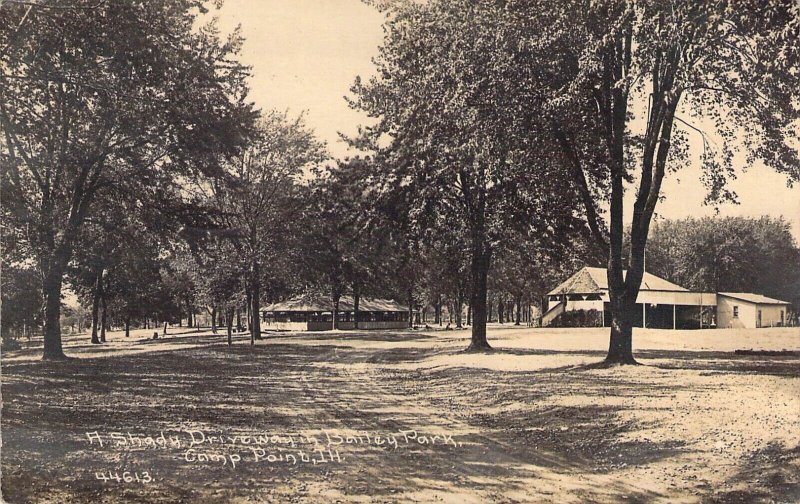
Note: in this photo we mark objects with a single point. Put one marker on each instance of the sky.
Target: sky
(306, 54)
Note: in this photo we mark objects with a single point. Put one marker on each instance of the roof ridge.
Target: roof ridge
(753, 297)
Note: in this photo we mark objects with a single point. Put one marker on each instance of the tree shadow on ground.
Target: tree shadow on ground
(515, 425)
(49, 407)
(696, 360)
(375, 335)
(768, 475)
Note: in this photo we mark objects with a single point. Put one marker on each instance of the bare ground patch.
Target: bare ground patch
(533, 421)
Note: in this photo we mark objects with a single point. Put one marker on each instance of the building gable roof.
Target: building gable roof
(582, 282)
(320, 303)
(595, 280)
(752, 298)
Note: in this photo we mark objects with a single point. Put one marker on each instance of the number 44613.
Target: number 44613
(124, 477)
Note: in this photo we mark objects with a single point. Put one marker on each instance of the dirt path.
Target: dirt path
(526, 473)
(528, 423)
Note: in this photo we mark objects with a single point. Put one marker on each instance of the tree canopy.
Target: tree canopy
(454, 131)
(108, 94)
(634, 78)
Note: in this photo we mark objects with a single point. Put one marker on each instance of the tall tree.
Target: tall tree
(219, 279)
(454, 131)
(21, 300)
(20, 281)
(102, 92)
(336, 232)
(664, 65)
(258, 200)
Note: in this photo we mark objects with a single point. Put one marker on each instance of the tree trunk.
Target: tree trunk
(519, 311)
(103, 317)
(620, 348)
(411, 308)
(189, 321)
(213, 320)
(229, 323)
(481, 257)
(356, 302)
(459, 305)
(335, 311)
(255, 311)
(98, 288)
(438, 310)
(51, 290)
(248, 300)
(165, 328)
(500, 310)
(127, 326)
(469, 314)
(239, 320)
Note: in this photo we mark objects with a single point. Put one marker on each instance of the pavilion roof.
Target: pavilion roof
(595, 280)
(322, 303)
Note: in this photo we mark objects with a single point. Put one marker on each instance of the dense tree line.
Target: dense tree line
(731, 254)
(504, 135)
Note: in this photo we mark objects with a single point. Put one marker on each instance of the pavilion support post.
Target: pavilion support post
(644, 315)
(701, 310)
(674, 317)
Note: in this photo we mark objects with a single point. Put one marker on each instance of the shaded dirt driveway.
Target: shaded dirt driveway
(405, 417)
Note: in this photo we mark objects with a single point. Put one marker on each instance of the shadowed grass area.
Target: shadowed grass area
(527, 424)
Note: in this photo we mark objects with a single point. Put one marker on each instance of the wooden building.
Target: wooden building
(314, 312)
(746, 310)
(661, 304)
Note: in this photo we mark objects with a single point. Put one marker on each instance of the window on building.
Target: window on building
(735, 311)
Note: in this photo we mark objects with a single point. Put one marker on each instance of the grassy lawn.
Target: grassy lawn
(405, 417)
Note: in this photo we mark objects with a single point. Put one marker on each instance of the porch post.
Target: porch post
(644, 315)
(701, 310)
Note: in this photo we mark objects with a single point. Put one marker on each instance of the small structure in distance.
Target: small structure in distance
(314, 312)
(747, 310)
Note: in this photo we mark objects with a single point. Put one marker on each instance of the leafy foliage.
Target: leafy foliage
(733, 254)
(104, 95)
(454, 131)
(662, 64)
